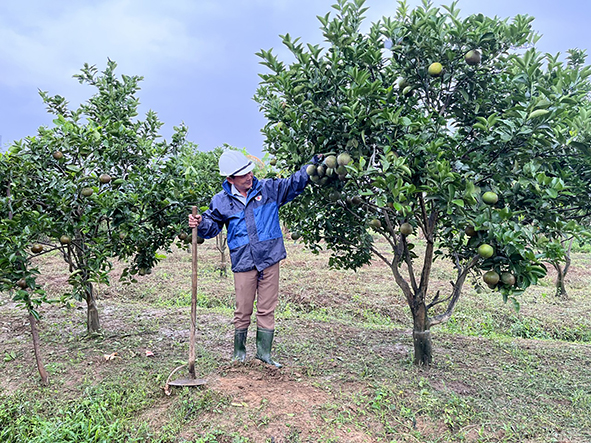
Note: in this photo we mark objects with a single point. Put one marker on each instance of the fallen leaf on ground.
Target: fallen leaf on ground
(109, 357)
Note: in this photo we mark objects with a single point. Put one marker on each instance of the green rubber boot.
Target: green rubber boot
(240, 345)
(264, 343)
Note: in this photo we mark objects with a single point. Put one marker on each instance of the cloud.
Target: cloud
(54, 43)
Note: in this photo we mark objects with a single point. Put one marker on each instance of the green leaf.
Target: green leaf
(552, 192)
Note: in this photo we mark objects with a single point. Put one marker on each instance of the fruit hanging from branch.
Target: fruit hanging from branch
(491, 278)
(375, 223)
(472, 57)
(435, 69)
(86, 192)
(104, 178)
(331, 162)
(470, 231)
(508, 279)
(343, 159)
(490, 198)
(485, 250)
(406, 229)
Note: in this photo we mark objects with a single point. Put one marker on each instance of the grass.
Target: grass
(344, 337)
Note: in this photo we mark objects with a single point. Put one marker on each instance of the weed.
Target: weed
(100, 415)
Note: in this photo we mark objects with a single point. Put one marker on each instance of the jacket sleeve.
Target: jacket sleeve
(289, 188)
(211, 222)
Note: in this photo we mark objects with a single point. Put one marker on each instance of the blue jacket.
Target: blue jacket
(255, 239)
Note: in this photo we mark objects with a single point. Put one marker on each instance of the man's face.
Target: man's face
(242, 182)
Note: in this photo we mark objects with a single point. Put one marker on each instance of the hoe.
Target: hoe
(191, 380)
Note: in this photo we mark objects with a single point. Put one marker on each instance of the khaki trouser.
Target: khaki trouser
(265, 286)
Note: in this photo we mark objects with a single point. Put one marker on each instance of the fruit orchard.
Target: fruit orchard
(455, 129)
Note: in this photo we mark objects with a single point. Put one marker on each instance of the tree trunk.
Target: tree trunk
(221, 245)
(92, 316)
(36, 348)
(560, 276)
(421, 335)
(561, 272)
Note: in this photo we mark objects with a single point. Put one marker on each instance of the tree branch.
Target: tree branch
(456, 292)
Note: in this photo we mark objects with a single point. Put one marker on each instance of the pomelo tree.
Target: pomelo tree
(99, 185)
(555, 242)
(451, 132)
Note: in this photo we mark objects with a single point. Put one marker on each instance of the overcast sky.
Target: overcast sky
(197, 57)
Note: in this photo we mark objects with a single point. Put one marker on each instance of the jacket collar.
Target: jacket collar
(256, 187)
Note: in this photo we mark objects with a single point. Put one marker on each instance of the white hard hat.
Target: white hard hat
(235, 163)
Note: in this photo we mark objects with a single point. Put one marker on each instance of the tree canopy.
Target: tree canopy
(457, 129)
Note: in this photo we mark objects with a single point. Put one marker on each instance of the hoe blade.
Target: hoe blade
(187, 382)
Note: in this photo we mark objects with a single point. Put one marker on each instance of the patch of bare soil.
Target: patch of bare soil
(274, 405)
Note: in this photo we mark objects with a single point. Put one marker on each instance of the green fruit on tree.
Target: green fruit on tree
(470, 231)
(375, 223)
(435, 69)
(200, 240)
(472, 57)
(491, 278)
(490, 198)
(36, 248)
(406, 229)
(311, 170)
(402, 83)
(485, 250)
(104, 178)
(273, 161)
(343, 159)
(334, 196)
(58, 155)
(508, 279)
(65, 240)
(21, 283)
(331, 162)
(87, 192)
(356, 200)
(407, 91)
(183, 236)
(295, 235)
(341, 170)
(320, 170)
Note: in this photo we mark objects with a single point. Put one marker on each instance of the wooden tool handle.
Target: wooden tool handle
(193, 298)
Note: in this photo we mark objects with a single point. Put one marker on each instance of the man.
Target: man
(249, 208)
